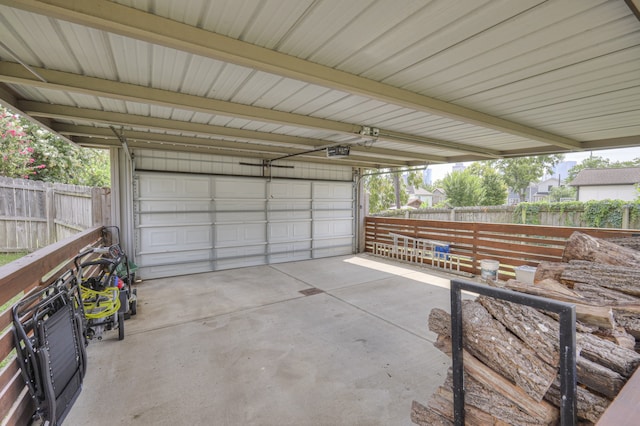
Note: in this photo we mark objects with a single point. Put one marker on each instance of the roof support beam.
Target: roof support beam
(118, 19)
(235, 148)
(56, 80)
(40, 109)
(163, 145)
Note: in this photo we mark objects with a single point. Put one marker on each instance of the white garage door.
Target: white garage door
(187, 223)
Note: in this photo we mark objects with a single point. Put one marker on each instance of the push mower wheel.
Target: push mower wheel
(120, 325)
(134, 304)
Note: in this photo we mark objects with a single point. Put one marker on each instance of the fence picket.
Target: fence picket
(34, 214)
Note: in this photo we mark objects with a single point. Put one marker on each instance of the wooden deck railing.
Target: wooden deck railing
(511, 245)
(39, 268)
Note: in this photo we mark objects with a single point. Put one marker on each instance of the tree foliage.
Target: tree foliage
(495, 190)
(561, 193)
(381, 189)
(30, 152)
(518, 173)
(463, 188)
(596, 162)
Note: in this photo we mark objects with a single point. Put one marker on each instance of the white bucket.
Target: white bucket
(489, 269)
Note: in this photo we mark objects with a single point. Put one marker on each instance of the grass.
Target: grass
(10, 257)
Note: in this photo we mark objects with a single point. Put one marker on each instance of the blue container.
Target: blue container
(442, 252)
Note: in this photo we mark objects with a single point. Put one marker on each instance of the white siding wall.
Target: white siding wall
(214, 164)
(607, 192)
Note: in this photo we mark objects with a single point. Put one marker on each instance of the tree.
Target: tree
(381, 187)
(495, 190)
(463, 188)
(558, 193)
(17, 148)
(588, 163)
(518, 173)
(30, 152)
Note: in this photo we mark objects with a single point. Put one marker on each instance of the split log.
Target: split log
(618, 335)
(596, 295)
(541, 291)
(589, 405)
(629, 320)
(558, 287)
(541, 333)
(598, 378)
(484, 406)
(619, 278)
(621, 360)
(488, 340)
(599, 316)
(548, 270)
(628, 242)
(441, 403)
(500, 409)
(536, 330)
(490, 379)
(584, 247)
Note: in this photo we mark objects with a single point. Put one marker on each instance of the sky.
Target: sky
(439, 171)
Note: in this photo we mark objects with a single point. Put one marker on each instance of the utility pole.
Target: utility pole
(396, 186)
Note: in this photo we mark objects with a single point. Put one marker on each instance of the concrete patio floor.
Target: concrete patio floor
(245, 347)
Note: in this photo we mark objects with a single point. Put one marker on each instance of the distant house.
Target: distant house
(438, 196)
(513, 198)
(424, 196)
(602, 184)
(535, 192)
(418, 197)
(413, 203)
(545, 187)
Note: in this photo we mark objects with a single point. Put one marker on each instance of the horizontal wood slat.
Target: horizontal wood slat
(512, 245)
(20, 277)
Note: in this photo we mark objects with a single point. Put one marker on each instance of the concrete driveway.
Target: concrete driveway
(246, 347)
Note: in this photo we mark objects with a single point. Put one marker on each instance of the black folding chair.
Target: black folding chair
(50, 341)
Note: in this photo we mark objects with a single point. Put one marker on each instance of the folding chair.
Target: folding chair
(50, 341)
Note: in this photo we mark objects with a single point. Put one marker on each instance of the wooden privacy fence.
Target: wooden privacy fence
(511, 245)
(538, 214)
(35, 214)
(16, 279)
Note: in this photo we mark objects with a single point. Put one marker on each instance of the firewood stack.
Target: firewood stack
(511, 356)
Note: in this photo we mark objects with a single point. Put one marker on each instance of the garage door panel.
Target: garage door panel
(177, 238)
(239, 188)
(239, 216)
(332, 214)
(239, 205)
(173, 212)
(158, 186)
(281, 210)
(329, 228)
(172, 270)
(333, 190)
(286, 252)
(288, 231)
(170, 258)
(161, 206)
(289, 189)
(236, 257)
(240, 234)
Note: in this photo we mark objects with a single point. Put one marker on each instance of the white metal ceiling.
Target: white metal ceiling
(443, 81)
